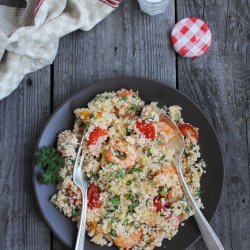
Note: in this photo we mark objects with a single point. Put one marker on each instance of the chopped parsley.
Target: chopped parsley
(128, 131)
(148, 202)
(111, 164)
(131, 208)
(200, 193)
(120, 154)
(115, 200)
(126, 222)
(187, 209)
(130, 195)
(75, 211)
(136, 96)
(94, 176)
(163, 191)
(149, 153)
(159, 141)
(134, 107)
(136, 226)
(110, 175)
(120, 174)
(51, 162)
(129, 182)
(124, 98)
(110, 210)
(161, 159)
(113, 232)
(134, 169)
(152, 117)
(91, 116)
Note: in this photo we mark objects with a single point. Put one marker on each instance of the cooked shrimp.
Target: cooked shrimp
(175, 193)
(121, 112)
(125, 93)
(164, 175)
(127, 242)
(164, 118)
(122, 154)
(175, 221)
(164, 130)
(168, 177)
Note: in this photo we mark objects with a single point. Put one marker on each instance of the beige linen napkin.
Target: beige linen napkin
(29, 37)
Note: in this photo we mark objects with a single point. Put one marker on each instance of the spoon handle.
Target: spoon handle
(208, 234)
(82, 227)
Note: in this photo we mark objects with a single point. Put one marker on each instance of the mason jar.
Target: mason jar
(153, 7)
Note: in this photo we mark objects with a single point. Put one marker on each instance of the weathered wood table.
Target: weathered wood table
(129, 42)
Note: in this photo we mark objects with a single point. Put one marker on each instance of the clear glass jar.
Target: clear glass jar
(153, 7)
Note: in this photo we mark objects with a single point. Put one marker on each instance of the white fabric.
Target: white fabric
(29, 37)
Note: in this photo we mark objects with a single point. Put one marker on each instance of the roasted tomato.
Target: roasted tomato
(147, 129)
(188, 131)
(95, 135)
(85, 114)
(93, 196)
(159, 206)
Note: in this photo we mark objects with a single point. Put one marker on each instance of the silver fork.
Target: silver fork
(208, 234)
(81, 182)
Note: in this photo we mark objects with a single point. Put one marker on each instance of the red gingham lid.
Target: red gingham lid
(191, 37)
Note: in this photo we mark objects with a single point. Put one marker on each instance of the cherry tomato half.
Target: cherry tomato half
(147, 129)
(93, 196)
(188, 131)
(159, 206)
(95, 135)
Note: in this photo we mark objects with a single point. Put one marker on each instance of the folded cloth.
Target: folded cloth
(29, 37)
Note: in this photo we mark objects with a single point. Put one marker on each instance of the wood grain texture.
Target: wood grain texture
(219, 83)
(127, 42)
(22, 116)
(14, 3)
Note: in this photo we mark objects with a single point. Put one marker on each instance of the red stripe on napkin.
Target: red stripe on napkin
(113, 3)
(40, 2)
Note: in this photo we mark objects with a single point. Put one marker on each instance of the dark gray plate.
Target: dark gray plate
(149, 90)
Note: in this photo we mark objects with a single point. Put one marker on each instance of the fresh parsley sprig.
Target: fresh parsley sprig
(200, 193)
(51, 162)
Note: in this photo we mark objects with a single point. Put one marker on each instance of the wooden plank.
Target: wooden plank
(14, 3)
(22, 116)
(127, 42)
(219, 83)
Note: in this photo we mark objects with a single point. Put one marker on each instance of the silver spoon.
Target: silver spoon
(208, 234)
(81, 182)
